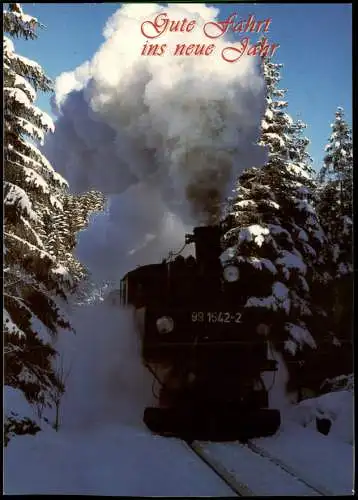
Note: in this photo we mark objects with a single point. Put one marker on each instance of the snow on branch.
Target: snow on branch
(259, 263)
(42, 254)
(340, 383)
(29, 63)
(277, 229)
(32, 178)
(30, 70)
(18, 24)
(227, 255)
(264, 302)
(245, 204)
(56, 203)
(297, 170)
(255, 233)
(304, 205)
(8, 45)
(21, 83)
(25, 18)
(271, 204)
(275, 138)
(41, 164)
(28, 128)
(36, 238)
(300, 336)
(291, 261)
(17, 197)
(278, 300)
(19, 95)
(45, 119)
(10, 326)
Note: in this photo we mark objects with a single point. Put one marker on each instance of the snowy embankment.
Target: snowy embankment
(109, 460)
(294, 462)
(103, 448)
(322, 462)
(298, 460)
(335, 407)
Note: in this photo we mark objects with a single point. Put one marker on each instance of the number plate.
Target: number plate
(215, 317)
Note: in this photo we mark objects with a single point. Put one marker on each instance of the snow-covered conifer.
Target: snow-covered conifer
(335, 208)
(336, 193)
(275, 235)
(62, 228)
(32, 189)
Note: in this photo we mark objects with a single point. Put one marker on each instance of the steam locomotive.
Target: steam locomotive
(201, 347)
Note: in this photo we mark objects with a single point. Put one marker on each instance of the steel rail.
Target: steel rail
(240, 489)
(321, 490)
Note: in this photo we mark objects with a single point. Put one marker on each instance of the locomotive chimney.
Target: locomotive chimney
(207, 247)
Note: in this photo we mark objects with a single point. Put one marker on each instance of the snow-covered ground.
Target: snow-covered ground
(336, 407)
(107, 460)
(323, 462)
(103, 448)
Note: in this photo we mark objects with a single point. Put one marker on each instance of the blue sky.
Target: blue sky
(315, 48)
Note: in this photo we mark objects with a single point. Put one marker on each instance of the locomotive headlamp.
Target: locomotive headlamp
(231, 273)
(165, 324)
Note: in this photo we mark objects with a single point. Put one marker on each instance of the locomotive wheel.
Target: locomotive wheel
(212, 424)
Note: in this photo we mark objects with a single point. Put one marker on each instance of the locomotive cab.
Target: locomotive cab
(201, 344)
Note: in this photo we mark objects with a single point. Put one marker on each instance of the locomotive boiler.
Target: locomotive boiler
(201, 345)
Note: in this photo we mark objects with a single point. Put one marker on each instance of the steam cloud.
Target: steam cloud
(106, 382)
(162, 136)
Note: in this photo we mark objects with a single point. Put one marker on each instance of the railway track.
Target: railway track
(240, 489)
(292, 481)
(281, 479)
(319, 489)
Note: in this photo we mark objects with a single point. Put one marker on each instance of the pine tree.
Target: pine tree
(83, 206)
(33, 277)
(276, 238)
(335, 208)
(62, 228)
(336, 194)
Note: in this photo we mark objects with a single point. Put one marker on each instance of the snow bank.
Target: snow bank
(317, 459)
(110, 460)
(102, 446)
(15, 403)
(337, 407)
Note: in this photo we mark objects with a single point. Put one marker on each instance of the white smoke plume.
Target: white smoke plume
(162, 136)
(106, 382)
